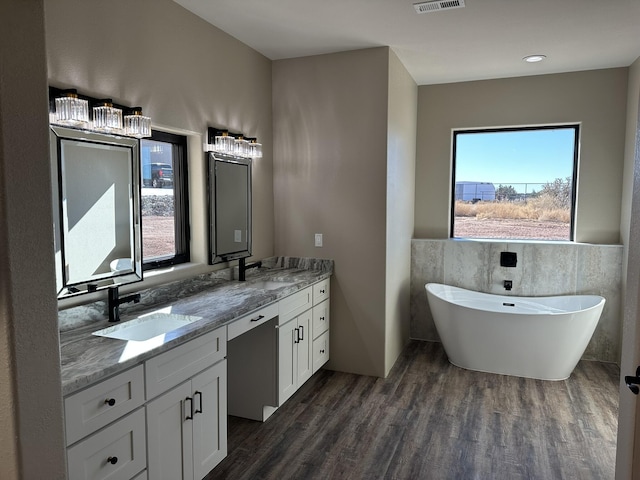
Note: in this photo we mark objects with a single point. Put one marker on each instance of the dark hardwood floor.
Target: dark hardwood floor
(431, 420)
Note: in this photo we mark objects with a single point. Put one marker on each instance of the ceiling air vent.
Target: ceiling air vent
(427, 7)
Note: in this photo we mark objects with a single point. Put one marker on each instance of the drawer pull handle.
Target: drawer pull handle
(190, 416)
(112, 460)
(198, 410)
(111, 402)
(260, 317)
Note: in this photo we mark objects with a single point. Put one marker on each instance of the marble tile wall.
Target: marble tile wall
(542, 269)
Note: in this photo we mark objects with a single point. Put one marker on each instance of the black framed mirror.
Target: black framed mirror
(96, 199)
(229, 192)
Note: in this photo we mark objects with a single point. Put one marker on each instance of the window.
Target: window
(514, 183)
(165, 214)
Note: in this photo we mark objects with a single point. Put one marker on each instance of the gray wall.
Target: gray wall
(597, 99)
(186, 75)
(330, 149)
(401, 154)
(344, 136)
(31, 435)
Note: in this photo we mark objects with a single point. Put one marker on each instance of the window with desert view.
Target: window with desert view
(514, 183)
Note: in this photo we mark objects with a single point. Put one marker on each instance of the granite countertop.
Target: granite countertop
(86, 358)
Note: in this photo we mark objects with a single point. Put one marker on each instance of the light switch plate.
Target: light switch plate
(318, 240)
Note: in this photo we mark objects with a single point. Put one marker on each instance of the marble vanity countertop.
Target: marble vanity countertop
(86, 358)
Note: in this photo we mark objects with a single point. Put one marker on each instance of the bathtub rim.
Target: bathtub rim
(512, 298)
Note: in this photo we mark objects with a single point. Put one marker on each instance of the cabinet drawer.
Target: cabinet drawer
(321, 291)
(293, 305)
(246, 323)
(320, 318)
(320, 354)
(181, 363)
(93, 408)
(115, 453)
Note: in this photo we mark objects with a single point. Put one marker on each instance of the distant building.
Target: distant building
(475, 191)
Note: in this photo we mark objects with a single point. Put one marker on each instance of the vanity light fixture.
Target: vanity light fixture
(224, 142)
(534, 58)
(233, 144)
(136, 124)
(241, 148)
(67, 107)
(106, 117)
(255, 148)
(71, 110)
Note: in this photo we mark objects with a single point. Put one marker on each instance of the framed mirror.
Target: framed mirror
(96, 210)
(229, 187)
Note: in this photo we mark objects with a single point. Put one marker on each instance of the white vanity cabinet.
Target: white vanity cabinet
(303, 328)
(187, 425)
(105, 428)
(321, 309)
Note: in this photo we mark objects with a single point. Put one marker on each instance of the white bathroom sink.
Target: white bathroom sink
(269, 284)
(146, 327)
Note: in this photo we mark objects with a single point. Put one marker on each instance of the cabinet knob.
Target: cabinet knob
(111, 402)
(112, 460)
(322, 351)
(322, 319)
(322, 291)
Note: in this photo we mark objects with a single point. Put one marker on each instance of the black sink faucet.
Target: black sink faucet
(114, 302)
(243, 267)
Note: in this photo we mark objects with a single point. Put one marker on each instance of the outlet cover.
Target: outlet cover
(318, 240)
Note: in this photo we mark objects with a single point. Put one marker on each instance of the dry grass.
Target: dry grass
(542, 208)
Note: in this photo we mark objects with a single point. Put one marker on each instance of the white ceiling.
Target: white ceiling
(485, 39)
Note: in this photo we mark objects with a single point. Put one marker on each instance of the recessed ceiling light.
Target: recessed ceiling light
(534, 58)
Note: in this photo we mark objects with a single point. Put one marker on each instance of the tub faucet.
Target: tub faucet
(114, 302)
(508, 284)
(243, 267)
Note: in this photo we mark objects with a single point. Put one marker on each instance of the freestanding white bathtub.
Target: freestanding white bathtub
(535, 337)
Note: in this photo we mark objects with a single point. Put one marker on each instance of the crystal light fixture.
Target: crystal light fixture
(106, 117)
(241, 146)
(255, 148)
(136, 124)
(71, 110)
(224, 142)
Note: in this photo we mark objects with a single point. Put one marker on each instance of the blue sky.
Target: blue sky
(526, 156)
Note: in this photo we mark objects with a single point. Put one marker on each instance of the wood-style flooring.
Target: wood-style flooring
(431, 420)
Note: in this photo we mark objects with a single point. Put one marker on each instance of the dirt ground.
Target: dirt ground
(158, 236)
(508, 228)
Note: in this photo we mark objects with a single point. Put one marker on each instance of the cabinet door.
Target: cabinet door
(304, 361)
(209, 419)
(287, 359)
(170, 435)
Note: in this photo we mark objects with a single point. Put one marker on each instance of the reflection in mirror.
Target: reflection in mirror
(96, 210)
(229, 208)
